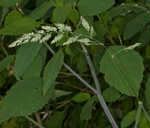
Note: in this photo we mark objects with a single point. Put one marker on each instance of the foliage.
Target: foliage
(62, 60)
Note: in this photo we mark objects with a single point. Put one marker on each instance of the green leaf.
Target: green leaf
(111, 95)
(136, 25)
(60, 14)
(74, 16)
(51, 71)
(6, 61)
(24, 98)
(87, 109)
(123, 69)
(93, 7)
(25, 56)
(124, 9)
(8, 3)
(35, 68)
(144, 37)
(4, 13)
(143, 123)
(75, 121)
(147, 93)
(56, 120)
(81, 97)
(128, 119)
(40, 11)
(15, 24)
(81, 64)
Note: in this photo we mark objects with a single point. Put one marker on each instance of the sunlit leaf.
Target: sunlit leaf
(123, 69)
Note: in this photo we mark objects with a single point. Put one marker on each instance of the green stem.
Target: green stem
(99, 94)
(34, 122)
(2, 46)
(146, 113)
(140, 104)
(72, 71)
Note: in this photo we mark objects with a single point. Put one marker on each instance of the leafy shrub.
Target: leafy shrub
(62, 60)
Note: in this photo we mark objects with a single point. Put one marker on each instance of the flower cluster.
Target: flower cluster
(59, 30)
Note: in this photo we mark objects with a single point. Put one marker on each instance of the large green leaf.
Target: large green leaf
(24, 98)
(147, 93)
(35, 68)
(136, 25)
(60, 14)
(93, 7)
(123, 69)
(6, 61)
(40, 11)
(51, 71)
(16, 24)
(25, 56)
(8, 3)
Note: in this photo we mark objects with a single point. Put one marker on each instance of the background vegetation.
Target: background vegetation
(60, 58)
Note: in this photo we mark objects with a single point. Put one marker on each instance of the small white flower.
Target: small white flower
(22, 40)
(132, 46)
(25, 41)
(71, 40)
(92, 32)
(45, 38)
(49, 28)
(41, 32)
(87, 26)
(57, 38)
(37, 37)
(84, 40)
(63, 28)
(14, 44)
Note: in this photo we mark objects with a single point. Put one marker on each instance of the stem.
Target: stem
(119, 37)
(100, 97)
(34, 122)
(138, 114)
(2, 46)
(146, 113)
(73, 72)
(37, 116)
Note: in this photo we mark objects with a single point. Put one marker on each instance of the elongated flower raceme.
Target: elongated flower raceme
(58, 32)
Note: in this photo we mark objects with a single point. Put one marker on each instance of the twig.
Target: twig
(37, 116)
(70, 74)
(2, 46)
(73, 72)
(100, 97)
(119, 37)
(138, 114)
(75, 87)
(34, 122)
